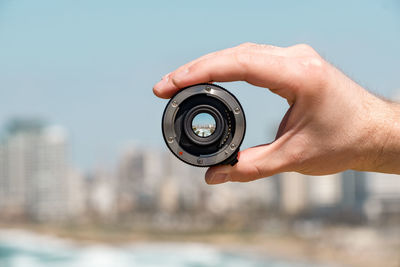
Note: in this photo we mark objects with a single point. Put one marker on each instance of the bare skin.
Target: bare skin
(332, 124)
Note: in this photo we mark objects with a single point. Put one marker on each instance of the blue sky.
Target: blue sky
(90, 65)
(203, 119)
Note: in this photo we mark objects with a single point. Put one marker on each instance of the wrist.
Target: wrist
(383, 140)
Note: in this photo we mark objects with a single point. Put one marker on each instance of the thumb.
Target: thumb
(254, 163)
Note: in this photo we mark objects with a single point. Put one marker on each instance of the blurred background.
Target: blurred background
(86, 180)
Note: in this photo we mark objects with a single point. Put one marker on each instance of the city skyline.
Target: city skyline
(38, 183)
(90, 66)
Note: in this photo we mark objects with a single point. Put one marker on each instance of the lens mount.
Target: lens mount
(188, 125)
(214, 142)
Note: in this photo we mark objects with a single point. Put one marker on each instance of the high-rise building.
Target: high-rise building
(190, 193)
(383, 196)
(130, 175)
(354, 192)
(77, 193)
(293, 193)
(140, 174)
(302, 193)
(34, 171)
(324, 191)
(102, 195)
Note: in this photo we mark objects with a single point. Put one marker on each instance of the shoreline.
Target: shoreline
(320, 249)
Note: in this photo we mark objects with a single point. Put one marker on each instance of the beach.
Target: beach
(83, 246)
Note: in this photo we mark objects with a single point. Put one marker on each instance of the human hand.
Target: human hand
(332, 125)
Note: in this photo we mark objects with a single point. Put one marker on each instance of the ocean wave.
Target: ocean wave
(26, 249)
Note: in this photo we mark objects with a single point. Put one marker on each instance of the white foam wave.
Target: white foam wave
(25, 249)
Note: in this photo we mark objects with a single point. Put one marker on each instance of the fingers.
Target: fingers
(166, 88)
(260, 65)
(254, 163)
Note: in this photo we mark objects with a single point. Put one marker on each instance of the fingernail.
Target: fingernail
(219, 178)
(161, 84)
(166, 76)
(180, 75)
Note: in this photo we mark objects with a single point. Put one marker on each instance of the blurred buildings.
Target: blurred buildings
(150, 185)
(34, 173)
(383, 197)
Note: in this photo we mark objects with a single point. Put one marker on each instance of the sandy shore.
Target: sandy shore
(337, 246)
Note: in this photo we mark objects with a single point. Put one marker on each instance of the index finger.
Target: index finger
(261, 67)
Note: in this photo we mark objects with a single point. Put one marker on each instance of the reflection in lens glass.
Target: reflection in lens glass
(203, 125)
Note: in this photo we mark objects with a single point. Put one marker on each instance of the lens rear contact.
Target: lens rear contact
(204, 125)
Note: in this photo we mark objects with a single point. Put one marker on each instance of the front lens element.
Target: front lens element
(203, 124)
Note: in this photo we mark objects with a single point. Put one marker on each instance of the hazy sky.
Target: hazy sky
(90, 65)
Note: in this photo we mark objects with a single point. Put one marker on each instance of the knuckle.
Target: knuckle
(304, 48)
(248, 169)
(259, 170)
(245, 174)
(242, 60)
(313, 64)
(315, 69)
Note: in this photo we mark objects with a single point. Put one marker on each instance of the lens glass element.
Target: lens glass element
(203, 124)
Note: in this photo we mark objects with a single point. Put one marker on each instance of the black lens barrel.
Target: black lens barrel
(222, 144)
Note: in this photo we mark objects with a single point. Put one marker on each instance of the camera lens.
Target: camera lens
(204, 125)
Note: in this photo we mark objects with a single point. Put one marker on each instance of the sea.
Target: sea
(20, 248)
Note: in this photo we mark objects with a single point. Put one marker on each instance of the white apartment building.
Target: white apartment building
(34, 171)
